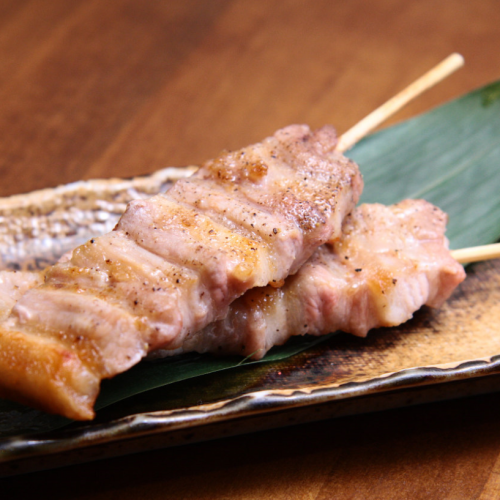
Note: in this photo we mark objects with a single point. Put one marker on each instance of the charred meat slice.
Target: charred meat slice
(389, 262)
(172, 265)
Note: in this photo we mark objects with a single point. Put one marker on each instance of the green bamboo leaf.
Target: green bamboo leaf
(449, 156)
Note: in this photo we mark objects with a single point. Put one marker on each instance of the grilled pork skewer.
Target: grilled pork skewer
(173, 264)
(389, 262)
(52, 356)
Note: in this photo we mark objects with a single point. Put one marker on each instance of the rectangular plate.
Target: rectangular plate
(440, 354)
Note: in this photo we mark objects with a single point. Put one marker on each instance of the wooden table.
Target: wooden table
(120, 88)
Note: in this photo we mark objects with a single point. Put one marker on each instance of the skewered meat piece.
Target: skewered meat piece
(352, 286)
(389, 262)
(172, 265)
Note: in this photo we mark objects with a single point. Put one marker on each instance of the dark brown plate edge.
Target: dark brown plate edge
(246, 413)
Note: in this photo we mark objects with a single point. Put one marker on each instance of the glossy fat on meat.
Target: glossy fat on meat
(389, 262)
(172, 265)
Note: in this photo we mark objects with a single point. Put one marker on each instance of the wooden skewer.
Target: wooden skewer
(475, 254)
(375, 118)
(382, 113)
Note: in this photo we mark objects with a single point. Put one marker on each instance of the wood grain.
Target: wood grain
(120, 88)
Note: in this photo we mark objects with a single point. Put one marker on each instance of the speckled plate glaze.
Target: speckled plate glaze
(440, 354)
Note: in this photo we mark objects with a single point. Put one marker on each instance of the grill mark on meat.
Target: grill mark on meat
(182, 233)
(145, 285)
(93, 305)
(235, 212)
